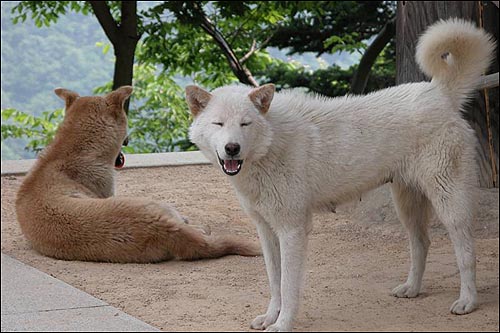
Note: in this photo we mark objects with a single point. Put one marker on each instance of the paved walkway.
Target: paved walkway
(35, 301)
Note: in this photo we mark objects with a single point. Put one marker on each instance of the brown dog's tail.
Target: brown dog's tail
(189, 243)
(121, 230)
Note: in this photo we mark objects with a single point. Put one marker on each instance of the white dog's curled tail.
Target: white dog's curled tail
(455, 53)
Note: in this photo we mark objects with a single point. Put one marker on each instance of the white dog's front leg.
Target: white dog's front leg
(293, 245)
(271, 249)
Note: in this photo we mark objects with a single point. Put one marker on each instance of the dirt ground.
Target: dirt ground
(356, 256)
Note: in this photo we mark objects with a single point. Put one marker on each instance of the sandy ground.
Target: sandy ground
(356, 256)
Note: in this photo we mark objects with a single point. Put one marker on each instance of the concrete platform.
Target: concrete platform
(35, 301)
(19, 167)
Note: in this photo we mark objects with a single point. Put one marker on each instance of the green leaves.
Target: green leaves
(105, 47)
(175, 50)
(330, 26)
(348, 42)
(182, 46)
(158, 114)
(158, 117)
(46, 12)
(39, 130)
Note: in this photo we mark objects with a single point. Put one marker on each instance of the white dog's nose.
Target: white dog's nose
(232, 149)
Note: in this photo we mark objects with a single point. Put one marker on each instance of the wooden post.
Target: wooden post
(482, 113)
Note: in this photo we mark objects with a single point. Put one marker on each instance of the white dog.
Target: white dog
(289, 153)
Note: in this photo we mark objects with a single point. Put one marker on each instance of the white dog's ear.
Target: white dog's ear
(262, 97)
(67, 95)
(197, 99)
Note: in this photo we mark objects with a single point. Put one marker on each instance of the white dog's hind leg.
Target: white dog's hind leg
(413, 209)
(271, 248)
(454, 210)
(293, 245)
(450, 184)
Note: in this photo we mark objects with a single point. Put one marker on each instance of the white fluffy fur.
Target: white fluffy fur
(440, 55)
(310, 152)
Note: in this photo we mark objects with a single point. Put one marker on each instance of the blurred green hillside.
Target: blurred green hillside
(37, 60)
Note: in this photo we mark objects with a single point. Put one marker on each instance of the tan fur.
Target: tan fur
(65, 205)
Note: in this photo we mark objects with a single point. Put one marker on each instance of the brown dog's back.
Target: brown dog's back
(65, 205)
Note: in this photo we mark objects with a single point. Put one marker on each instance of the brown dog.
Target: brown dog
(66, 207)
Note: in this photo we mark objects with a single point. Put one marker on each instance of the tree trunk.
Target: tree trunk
(482, 113)
(123, 36)
(125, 45)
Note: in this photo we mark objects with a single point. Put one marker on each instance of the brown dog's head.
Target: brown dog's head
(94, 127)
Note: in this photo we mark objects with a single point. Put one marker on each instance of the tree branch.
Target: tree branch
(249, 53)
(360, 78)
(242, 73)
(254, 49)
(108, 24)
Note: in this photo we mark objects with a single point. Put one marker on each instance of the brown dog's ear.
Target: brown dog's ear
(120, 95)
(197, 99)
(67, 95)
(262, 97)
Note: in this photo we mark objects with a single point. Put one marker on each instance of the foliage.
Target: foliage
(161, 123)
(40, 130)
(173, 37)
(37, 60)
(46, 12)
(331, 81)
(329, 26)
(157, 118)
(175, 50)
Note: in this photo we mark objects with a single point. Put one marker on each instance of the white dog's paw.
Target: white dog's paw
(263, 321)
(258, 322)
(405, 290)
(463, 306)
(277, 328)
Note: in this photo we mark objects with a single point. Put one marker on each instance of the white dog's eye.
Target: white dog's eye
(245, 124)
(219, 124)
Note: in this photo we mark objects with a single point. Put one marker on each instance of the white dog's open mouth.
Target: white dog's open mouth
(230, 167)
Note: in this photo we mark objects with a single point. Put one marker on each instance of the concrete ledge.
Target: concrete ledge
(19, 167)
(35, 301)
(16, 167)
